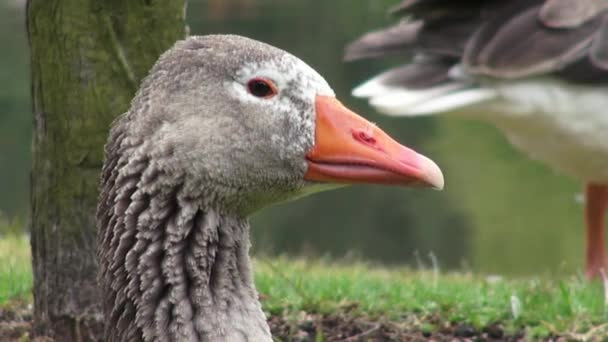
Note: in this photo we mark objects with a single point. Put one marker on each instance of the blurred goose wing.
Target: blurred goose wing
(504, 39)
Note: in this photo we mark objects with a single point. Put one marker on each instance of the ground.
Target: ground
(15, 325)
(340, 326)
(353, 301)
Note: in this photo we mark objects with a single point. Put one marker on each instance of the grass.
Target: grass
(15, 268)
(541, 307)
(423, 300)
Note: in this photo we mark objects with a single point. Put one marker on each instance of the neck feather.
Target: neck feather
(172, 268)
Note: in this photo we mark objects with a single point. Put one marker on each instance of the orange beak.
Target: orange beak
(350, 149)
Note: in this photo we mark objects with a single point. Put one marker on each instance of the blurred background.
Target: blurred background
(499, 214)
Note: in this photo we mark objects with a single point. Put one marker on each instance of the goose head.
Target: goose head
(261, 126)
(222, 126)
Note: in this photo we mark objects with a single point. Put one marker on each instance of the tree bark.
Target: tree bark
(87, 58)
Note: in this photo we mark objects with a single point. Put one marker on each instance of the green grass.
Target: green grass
(15, 268)
(423, 300)
(570, 306)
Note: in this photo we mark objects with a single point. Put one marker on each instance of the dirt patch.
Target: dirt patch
(15, 318)
(341, 327)
(15, 325)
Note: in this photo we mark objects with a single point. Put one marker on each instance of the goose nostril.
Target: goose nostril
(364, 137)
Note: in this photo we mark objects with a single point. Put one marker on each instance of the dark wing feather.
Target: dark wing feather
(516, 44)
(599, 48)
(438, 8)
(395, 39)
(505, 38)
(570, 13)
(421, 75)
(445, 36)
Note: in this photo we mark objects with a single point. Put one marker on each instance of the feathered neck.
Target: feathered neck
(172, 267)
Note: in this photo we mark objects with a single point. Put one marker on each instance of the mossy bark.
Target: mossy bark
(87, 58)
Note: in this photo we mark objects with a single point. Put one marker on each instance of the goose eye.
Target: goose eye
(260, 87)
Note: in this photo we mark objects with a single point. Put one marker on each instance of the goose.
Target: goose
(221, 127)
(536, 69)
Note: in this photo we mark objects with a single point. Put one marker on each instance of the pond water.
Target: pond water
(500, 212)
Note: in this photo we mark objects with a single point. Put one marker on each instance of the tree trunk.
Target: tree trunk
(87, 58)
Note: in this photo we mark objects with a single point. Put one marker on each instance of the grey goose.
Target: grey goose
(221, 127)
(536, 69)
